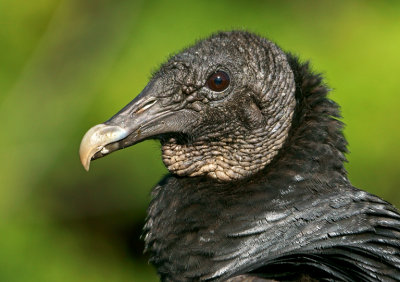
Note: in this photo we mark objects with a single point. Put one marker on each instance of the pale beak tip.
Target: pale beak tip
(96, 138)
(86, 164)
(85, 158)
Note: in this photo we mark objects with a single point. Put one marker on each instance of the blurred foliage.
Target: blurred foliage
(67, 65)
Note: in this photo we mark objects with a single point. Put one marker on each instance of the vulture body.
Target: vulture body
(257, 190)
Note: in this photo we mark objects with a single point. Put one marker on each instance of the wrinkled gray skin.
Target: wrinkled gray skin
(225, 135)
(236, 132)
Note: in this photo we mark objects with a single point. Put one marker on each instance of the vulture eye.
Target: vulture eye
(218, 81)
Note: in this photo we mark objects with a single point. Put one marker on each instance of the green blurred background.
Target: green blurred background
(67, 65)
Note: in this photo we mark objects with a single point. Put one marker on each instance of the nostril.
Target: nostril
(146, 106)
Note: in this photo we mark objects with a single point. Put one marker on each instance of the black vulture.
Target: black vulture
(257, 189)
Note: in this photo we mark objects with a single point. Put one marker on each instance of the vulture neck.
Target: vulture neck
(316, 145)
(199, 227)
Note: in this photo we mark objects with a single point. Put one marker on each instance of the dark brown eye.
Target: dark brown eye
(218, 81)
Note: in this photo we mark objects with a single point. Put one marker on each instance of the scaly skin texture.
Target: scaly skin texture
(242, 129)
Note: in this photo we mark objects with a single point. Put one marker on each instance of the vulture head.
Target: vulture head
(222, 108)
(257, 185)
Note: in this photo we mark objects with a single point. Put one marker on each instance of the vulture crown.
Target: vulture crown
(257, 189)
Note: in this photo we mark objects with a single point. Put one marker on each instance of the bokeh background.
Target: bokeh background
(66, 65)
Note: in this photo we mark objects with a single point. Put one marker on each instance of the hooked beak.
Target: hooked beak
(141, 119)
(96, 140)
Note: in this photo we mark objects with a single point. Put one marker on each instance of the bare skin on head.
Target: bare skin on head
(227, 132)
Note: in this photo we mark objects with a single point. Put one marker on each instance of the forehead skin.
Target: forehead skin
(239, 52)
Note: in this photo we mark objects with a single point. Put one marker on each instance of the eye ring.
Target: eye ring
(218, 81)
